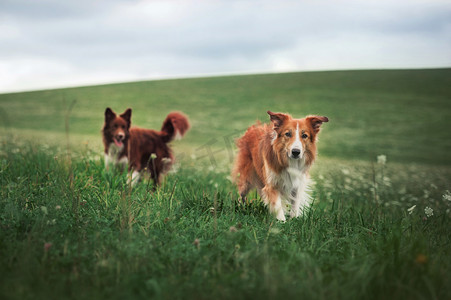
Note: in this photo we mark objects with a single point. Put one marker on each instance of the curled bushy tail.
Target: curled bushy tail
(175, 126)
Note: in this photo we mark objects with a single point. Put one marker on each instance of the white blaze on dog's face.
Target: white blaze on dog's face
(296, 138)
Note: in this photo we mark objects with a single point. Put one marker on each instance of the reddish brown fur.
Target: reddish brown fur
(265, 148)
(140, 144)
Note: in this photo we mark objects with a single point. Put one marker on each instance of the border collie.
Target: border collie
(141, 149)
(275, 158)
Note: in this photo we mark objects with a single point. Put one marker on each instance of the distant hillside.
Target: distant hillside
(404, 114)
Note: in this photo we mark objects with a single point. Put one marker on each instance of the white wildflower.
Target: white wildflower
(410, 210)
(386, 181)
(447, 196)
(345, 171)
(429, 212)
(274, 230)
(381, 159)
(44, 210)
(51, 222)
(153, 156)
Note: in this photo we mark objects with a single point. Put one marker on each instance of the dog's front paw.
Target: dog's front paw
(295, 213)
(281, 216)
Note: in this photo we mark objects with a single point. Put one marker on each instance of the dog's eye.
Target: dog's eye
(288, 134)
(304, 136)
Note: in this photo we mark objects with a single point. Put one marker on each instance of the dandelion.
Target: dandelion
(44, 210)
(447, 196)
(429, 212)
(381, 159)
(410, 210)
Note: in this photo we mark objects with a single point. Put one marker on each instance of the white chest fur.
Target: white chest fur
(293, 184)
(112, 157)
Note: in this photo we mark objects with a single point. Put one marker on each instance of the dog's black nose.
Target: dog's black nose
(295, 152)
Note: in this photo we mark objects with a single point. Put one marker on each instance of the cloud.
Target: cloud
(54, 43)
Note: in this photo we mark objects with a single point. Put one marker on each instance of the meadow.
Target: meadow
(379, 227)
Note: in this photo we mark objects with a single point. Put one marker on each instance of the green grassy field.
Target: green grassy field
(71, 230)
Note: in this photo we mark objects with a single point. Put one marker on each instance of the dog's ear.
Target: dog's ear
(127, 115)
(277, 119)
(316, 121)
(109, 114)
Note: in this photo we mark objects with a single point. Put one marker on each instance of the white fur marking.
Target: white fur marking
(297, 143)
(293, 184)
(178, 135)
(278, 210)
(134, 178)
(112, 157)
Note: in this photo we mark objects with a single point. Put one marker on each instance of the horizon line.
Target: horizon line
(212, 75)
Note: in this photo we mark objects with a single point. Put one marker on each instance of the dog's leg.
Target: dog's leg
(243, 189)
(166, 163)
(296, 202)
(107, 162)
(123, 163)
(242, 174)
(134, 177)
(300, 196)
(272, 198)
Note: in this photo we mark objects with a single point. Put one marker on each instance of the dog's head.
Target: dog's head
(116, 128)
(295, 138)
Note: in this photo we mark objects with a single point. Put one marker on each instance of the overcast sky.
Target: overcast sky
(55, 43)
